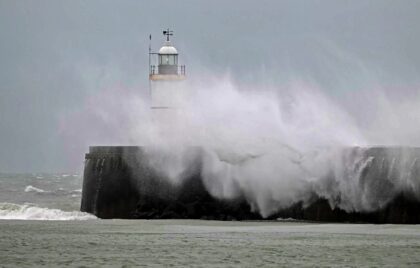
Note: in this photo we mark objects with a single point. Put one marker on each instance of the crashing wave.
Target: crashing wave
(10, 211)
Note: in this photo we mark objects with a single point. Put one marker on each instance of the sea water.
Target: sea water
(41, 226)
(41, 196)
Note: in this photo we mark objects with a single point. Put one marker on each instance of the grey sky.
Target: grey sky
(54, 53)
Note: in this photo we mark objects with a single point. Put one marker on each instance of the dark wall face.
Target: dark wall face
(124, 185)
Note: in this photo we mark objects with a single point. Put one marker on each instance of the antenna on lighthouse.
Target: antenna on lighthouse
(150, 63)
(168, 33)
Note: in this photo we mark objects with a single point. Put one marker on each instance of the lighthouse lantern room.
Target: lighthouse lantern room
(167, 58)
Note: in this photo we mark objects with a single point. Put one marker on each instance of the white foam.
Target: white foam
(10, 211)
(31, 188)
(286, 219)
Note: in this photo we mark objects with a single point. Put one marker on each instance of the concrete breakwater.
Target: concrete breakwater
(125, 182)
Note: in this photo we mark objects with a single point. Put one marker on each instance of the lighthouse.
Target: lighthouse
(165, 78)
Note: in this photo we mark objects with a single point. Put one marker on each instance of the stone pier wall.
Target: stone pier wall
(120, 183)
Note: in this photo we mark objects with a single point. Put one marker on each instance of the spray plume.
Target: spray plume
(273, 146)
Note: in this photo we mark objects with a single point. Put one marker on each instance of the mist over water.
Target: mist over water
(273, 145)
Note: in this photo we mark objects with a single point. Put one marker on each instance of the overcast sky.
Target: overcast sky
(55, 53)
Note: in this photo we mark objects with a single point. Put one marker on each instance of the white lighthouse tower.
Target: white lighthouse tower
(166, 79)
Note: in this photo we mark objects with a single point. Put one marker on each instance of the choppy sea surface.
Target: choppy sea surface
(41, 196)
(40, 225)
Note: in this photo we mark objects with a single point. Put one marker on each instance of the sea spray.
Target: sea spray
(273, 147)
(258, 145)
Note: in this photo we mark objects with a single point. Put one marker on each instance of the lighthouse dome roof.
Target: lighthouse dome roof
(168, 49)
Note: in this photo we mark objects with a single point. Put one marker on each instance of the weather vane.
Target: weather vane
(168, 33)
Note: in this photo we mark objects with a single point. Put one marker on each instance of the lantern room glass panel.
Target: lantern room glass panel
(166, 59)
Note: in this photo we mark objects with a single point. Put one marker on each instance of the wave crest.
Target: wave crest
(31, 188)
(10, 211)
